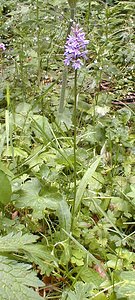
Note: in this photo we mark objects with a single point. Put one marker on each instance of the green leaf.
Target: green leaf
(43, 126)
(16, 280)
(42, 257)
(31, 197)
(26, 244)
(64, 119)
(127, 287)
(132, 194)
(5, 169)
(78, 257)
(51, 139)
(82, 291)
(91, 276)
(17, 152)
(101, 297)
(16, 242)
(64, 216)
(5, 188)
(84, 181)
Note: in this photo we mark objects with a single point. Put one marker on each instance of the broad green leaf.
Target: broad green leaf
(101, 297)
(26, 244)
(17, 152)
(16, 280)
(102, 110)
(96, 182)
(84, 181)
(42, 257)
(82, 291)
(14, 242)
(128, 275)
(91, 276)
(5, 169)
(132, 194)
(31, 197)
(5, 189)
(64, 119)
(127, 287)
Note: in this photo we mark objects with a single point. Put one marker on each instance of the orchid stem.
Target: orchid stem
(64, 75)
(75, 147)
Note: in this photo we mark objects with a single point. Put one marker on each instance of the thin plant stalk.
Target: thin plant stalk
(75, 146)
(38, 44)
(1, 64)
(2, 48)
(65, 71)
(22, 72)
(8, 124)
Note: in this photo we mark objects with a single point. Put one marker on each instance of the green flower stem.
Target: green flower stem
(22, 73)
(1, 63)
(72, 15)
(75, 146)
(38, 44)
(65, 71)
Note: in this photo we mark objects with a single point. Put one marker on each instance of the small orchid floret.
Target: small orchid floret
(2, 47)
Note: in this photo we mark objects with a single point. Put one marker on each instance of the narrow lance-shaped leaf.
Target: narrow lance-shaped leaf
(84, 181)
(64, 216)
(5, 189)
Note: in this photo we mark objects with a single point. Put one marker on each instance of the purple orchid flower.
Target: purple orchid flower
(75, 47)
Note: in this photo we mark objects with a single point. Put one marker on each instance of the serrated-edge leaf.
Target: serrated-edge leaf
(36, 253)
(14, 242)
(16, 280)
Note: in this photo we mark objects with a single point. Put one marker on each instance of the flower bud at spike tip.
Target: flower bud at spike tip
(75, 48)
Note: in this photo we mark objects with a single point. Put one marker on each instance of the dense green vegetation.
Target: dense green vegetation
(50, 246)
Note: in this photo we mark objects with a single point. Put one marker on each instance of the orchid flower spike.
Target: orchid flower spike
(75, 47)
